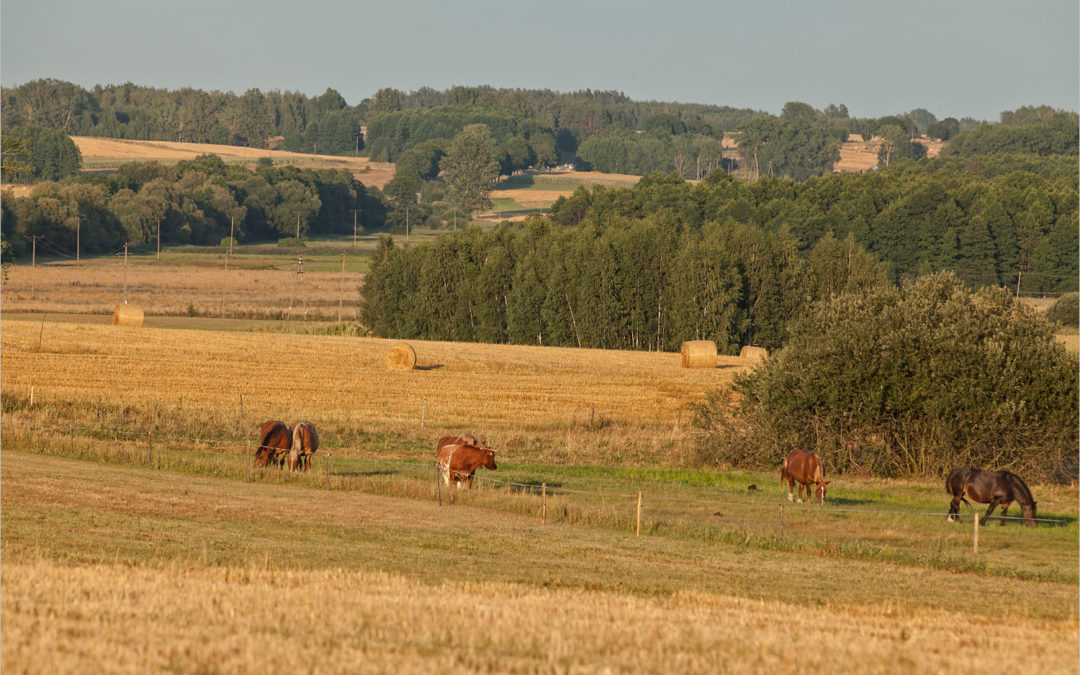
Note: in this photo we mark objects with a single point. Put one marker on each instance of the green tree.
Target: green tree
(49, 154)
(470, 169)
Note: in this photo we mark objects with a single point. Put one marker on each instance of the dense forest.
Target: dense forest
(194, 202)
(666, 260)
(999, 207)
(605, 131)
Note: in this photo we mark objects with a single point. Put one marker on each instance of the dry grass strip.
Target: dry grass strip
(120, 619)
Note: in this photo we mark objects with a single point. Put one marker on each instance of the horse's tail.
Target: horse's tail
(783, 471)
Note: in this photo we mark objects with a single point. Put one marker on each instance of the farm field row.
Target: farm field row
(216, 571)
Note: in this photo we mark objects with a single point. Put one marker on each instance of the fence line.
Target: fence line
(426, 464)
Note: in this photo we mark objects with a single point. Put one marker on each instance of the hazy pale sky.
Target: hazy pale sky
(958, 58)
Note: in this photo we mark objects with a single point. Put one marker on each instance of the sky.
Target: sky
(955, 58)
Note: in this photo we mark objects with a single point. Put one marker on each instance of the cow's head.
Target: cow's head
(489, 459)
(821, 490)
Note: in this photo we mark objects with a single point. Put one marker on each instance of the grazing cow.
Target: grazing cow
(458, 461)
(304, 443)
(993, 488)
(275, 441)
(806, 467)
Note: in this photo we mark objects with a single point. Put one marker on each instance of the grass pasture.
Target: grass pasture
(136, 535)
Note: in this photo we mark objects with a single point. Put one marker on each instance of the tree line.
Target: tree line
(288, 120)
(627, 284)
(996, 228)
(200, 201)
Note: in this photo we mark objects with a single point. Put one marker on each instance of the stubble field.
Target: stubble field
(137, 537)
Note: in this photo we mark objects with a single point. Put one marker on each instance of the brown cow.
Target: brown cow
(458, 461)
(806, 467)
(275, 440)
(304, 444)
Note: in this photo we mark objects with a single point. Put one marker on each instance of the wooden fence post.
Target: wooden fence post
(150, 449)
(543, 499)
(638, 532)
(438, 484)
(423, 413)
(976, 534)
(781, 520)
(31, 396)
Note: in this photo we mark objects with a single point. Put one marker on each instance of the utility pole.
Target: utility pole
(303, 290)
(125, 272)
(78, 237)
(228, 254)
(406, 222)
(342, 276)
(354, 212)
(33, 263)
(159, 238)
(357, 151)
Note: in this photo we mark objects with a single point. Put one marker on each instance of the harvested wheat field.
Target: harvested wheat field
(97, 285)
(109, 153)
(135, 570)
(503, 392)
(246, 620)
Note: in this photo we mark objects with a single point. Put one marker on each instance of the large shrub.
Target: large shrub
(910, 381)
(1065, 310)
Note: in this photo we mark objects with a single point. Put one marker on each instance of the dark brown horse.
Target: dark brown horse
(990, 487)
(275, 440)
(805, 467)
(458, 461)
(304, 444)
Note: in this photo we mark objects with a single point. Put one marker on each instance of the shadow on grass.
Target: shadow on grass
(366, 474)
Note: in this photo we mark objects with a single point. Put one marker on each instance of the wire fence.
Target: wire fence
(548, 485)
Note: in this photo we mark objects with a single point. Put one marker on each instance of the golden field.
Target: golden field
(502, 393)
(126, 569)
(258, 287)
(109, 153)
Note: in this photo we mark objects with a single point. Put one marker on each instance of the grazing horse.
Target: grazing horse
(304, 443)
(806, 467)
(459, 460)
(275, 440)
(990, 487)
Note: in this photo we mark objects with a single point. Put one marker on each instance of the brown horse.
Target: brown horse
(458, 461)
(990, 487)
(275, 440)
(806, 467)
(304, 444)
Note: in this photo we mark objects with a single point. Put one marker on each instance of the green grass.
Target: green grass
(900, 524)
(84, 512)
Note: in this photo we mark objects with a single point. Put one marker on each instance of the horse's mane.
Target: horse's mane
(1023, 493)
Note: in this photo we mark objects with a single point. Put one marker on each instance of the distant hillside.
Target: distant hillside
(109, 153)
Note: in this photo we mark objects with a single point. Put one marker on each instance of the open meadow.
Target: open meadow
(137, 536)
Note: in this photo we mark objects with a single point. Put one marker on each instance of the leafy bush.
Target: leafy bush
(914, 381)
(1066, 310)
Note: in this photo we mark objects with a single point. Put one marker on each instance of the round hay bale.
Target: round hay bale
(400, 356)
(755, 354)
(128, 315)
(698, 354)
